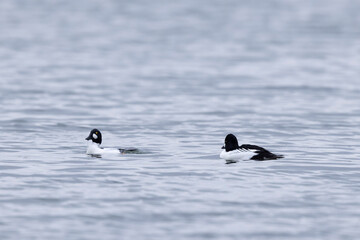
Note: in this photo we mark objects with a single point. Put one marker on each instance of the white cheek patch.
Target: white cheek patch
(94, 136)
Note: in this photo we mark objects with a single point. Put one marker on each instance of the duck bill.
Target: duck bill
(88, 138)
(223, 147)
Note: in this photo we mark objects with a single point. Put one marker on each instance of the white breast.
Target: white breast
(94, 149)
(237, 154)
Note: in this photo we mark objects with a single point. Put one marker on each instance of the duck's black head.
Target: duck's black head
(95, 136)
(231, 143)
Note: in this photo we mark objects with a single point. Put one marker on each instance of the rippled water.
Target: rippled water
(173, 78)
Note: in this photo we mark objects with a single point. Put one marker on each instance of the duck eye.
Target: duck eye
(96, 132)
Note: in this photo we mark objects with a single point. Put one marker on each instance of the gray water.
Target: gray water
(173, 78)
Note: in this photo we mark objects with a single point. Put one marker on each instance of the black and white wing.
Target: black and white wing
(260, 153)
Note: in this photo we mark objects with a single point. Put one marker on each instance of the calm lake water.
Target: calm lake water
(173, 78)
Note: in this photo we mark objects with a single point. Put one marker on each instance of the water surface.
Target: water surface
(173, 78)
